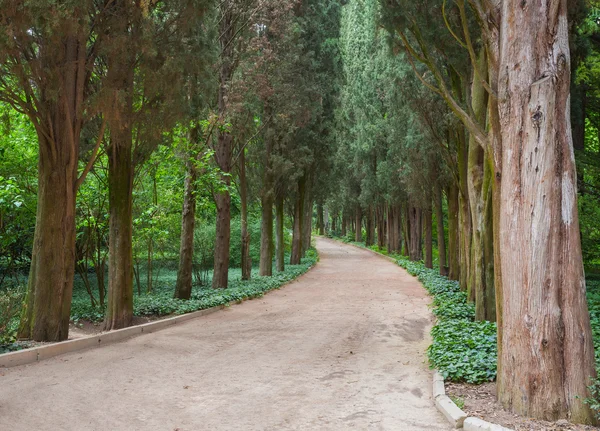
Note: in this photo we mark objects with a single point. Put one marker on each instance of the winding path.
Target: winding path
(340, 348)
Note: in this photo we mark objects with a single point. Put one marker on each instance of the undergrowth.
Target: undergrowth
(159, 302)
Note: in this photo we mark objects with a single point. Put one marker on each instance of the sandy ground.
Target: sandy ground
(341, 348)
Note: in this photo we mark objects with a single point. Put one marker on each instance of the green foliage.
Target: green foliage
(462, 349)
(10, 307)
(160, 301)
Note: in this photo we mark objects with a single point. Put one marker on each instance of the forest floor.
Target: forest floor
(342, 347)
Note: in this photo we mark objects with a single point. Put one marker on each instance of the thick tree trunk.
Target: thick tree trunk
(344, 227)
(307, 221)
(321, 219)
(183, 286)
(427, 221)
(416, 234)
(120, 80)
(246, 263)
(223, 238)
(223, 152)
(370, 227)
(358, 223)
(381, 226)
(48, 303)
(298, 223)
(441, 237)
(479, 174)
(45, 316)
(406, 229)
(280, 250)
(119, 310)
(453, 234)
(266, 235)
(547, 352)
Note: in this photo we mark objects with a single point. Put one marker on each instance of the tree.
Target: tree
(45, 74)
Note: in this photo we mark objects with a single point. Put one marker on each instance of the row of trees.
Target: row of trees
(387, 115)
(233, 88)
(453, 112)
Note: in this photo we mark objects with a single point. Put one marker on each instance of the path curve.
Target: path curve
(340, 348)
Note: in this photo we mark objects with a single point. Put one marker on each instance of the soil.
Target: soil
(341, 348)
(480, 401)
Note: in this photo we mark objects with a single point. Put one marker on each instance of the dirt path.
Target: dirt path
(341, 348)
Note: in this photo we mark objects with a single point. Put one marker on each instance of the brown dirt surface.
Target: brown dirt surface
(341, 348)
(480, 401)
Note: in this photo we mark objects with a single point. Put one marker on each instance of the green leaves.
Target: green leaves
(161, 302)
(463, 350)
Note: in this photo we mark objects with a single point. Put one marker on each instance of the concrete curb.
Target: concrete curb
(476, 424)
(456, 416)
(36, 354)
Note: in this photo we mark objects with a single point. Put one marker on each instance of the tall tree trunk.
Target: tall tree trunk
(280, 251)
(441, 237)
(298, 223)
(308, 220)
(479, 174)
(266, 235)
(370, 228)
(223, 152)
(47, 309)
(120, 76)
(358, 223)
(321, 219)
(547, 355)
(246, 263)
(344, 227)
(407, 231)
(416, 234)
(119, 310)
(453, 234)
(183, 286)
(427, 221)
(380, 226)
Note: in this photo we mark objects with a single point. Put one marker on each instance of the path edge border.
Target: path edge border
(456, 416)
(47, 351)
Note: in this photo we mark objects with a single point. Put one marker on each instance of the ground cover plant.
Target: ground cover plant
(159, 302)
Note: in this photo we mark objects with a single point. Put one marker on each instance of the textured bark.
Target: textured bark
(46, 313)
(370, 227)
(427, 222)
(246, 262)
(415, 249)
(320, 219)
(119, 309)
(280, 248)
(479, 172)
(307, 220)
(266, 235)
(183, 286)
(441, 237)
(344, 225)
(120, 75)
(358, 224)
(547, 355)
(223, 152)
(453, 234)
(298, 223)
(380, 211)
